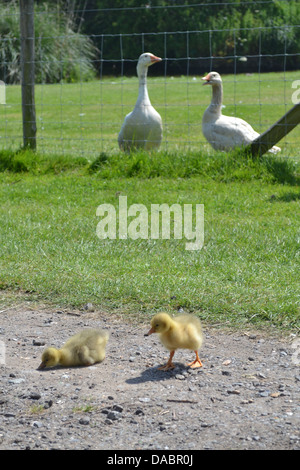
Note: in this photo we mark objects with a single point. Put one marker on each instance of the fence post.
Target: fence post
(275, 133)
(27, 69)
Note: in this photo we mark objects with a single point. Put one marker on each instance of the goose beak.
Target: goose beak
(41, 366)
(207, 79)
(150, 332)
(155, 59)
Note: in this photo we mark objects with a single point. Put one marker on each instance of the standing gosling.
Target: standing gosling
(181, 332)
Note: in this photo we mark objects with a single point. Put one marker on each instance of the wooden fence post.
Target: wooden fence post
(276, 132)
(27, 69)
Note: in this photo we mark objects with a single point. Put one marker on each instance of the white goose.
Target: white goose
(142, 128)
(225, 132)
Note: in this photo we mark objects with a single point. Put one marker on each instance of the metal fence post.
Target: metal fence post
(27, 68)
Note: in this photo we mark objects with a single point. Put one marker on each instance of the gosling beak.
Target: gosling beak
(41, 366)
(150, 332)
(207, 79)
(155, 59)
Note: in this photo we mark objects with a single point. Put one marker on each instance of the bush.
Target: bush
(61, 53)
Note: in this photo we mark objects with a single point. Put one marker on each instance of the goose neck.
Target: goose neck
(143, 89)
(217, 98)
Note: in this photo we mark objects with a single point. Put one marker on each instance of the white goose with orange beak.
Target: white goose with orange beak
(225, 132)
(142, 128)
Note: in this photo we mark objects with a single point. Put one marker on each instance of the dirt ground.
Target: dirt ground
(246, 396)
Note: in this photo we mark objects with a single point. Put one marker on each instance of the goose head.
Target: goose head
(145, 60)
(160, 323)
(212, 78)
(50, 358)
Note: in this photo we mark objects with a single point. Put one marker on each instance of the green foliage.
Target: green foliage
(234, 166)
(225, 31)
(28, 161)
(200, 36)
(61, 52)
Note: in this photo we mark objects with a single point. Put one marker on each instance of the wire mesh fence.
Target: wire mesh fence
(80, 113)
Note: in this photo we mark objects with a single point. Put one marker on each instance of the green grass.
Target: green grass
(246, 274)
(85, 118)
(248, 270)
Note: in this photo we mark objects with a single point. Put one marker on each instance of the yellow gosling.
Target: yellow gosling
(181, 332)
(83, 349)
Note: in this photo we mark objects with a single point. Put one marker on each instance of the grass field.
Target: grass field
(247, 273)
(85, 118)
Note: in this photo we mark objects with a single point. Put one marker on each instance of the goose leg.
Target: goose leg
(197, 362)
(169, 364)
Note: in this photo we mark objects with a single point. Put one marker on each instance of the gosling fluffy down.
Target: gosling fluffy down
(181, 332)
(83, 349)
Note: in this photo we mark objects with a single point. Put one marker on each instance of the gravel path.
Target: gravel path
(245, 397)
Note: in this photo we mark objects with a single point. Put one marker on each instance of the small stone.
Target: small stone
(89, 307)
(37, 342)
(16, 381)
(226, 363)
(85, 420)
(37, 424)
(113, 415)
(264, 393)
(179, 377)
(226, 372)
(118, 408)
(233, 392)
(34, 396)
(48, 404)
(261, 375)
(139, 412)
